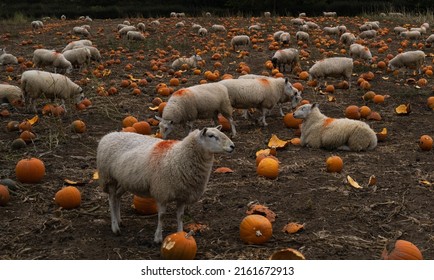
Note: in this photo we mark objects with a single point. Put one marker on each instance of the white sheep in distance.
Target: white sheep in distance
(285, 38)
(347, 38)
(430, 39)
(141, 26)
(284, 57)
(202, 32)
(78, 57)
(190, 61)
(195, 27)
(95, 55)
(11, 94)
(80, 30)
(38, 84)
(398, 29)
(167, 170)
(359, 51)
(332, 67)
(218, 28)
(44, 57)
(277, 34)
(254, 27)
(302, 36)
(37, 24)
(203, 101)
(297, 21)
(368, 34)
(7, 58)
(135, 36)
(331, 30)
(320, 131)
(329, 14)
(259, 93)
(124, 30)
(408, 59)
(267, 14)
(77, 44)
(240, 40)
(411, 35)
(312, 25)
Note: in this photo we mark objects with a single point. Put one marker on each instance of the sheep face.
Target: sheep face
(216, 141)
(292, 93)
(79, 93)
(296, 98)
(303, 111)
(165, 126)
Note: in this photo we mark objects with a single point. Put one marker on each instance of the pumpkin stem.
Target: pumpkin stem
(190, 233)
(258, 233)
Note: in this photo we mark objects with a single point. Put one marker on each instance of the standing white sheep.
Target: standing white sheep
(347, 38)
(135, 36)
(359, 51)
(285, 38)
(197, 102)
(408, 59)
(331, 30)
(7, 58)
(218, 28)
(190, 61)
(260, 93)
(202, 32)
(80, 30)
(37, 24)
(37, 84)
(44, 57)
(302, 36)
(320, 131)
(411, 35)
(12, 95)
(124, 30)
(430, 39)
(141, 27)
(284, 57)
(368, 34)
(240, 40)
(78, 57)
(77, 44)
(332, 67)
(167, 170)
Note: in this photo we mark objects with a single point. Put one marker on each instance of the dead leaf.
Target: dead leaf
(73, 183)
(385, 78)
(133, 79)
(353, 183)
(153, 108)
(33, 120)
(95, 175)
(331, 98)
(381, 136)
(292, 228)
(403, 109)
(372, 180)
(276, 143)
(106, 72)
(196, 227)
(261, 210)
(264, 152)
(223, 170)
(425, 183)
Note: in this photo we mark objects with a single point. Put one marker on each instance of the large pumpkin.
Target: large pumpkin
(255, 229)
(179, 246)
(403, 250)
(145, 205)
(68, 197)
(30, 170)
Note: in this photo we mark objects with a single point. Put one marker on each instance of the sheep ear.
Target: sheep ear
(203, 132)
(158, 118)
(219, 127)
(315, 105)
(287, 80)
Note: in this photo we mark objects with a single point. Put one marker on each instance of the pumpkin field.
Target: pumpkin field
(358, 212)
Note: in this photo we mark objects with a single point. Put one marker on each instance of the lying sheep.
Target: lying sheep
(167, 170)
(347, 38)
(359, 51)
(284, 57)
(411, 35)
(77, 44)
(80, 30)
(218, 28)
(203, 101)
(43, 57)
(37, 84)
(320, 131)
(368, 34)
(78, 57)
(332, 67)
(240, 40)
(190, 61)
(7, 58)
(408, 59)
(12, 95)
(135, 36)
(285, 38)
(259, 93)
(202, 32)
(37, 24)
(302, 36)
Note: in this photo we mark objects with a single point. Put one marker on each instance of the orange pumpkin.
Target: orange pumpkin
(334, 164)
(145, 205)
(291, 122)
(365, 111)
(304, 75)
(268, 168)
(4, 195)
(352, 112)
(255, 229)
(430, 102)
(30, 170)
(78, 126)
(425, 142)
(142, 127)
(179, 246)
(403, 250)
(68, 197)
(27, 136)
(287, 254)
(129, 121)
(224, 122)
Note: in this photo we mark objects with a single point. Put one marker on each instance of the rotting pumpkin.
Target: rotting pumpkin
(179, 246)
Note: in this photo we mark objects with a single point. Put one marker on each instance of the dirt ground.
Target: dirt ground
(340, 222)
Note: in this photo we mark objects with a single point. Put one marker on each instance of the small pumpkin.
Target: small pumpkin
(145, 205)
(4, 195)
(143, 127)
(68, 197)
(129, 121)
(255, 229)
(179, 246)
(403, 250)
(352, 112)
(78, 126)
(268, 168)
(30, 170)
(425, 142)
(334, 164)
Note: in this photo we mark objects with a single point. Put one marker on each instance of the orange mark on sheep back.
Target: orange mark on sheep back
(181, 92)
(264, 82)
(163, 146)
(328, 121)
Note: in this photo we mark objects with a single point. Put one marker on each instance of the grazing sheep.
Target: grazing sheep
(155, 24)
(88, 19)
(135, 35)
(331, 30)
(197, 102)
(7, 58)
(399, 29)
(80, 30)
(240, 40)
(95, 55)
(332, 67)
(218, 28)
(368, 34)
(180, 24)
(62, 17)
(167, 170)
(141, 27)
(260, 93)
(304, 27)
(365, 27)
(411, 35)
(121, 25)
(37, 84)
(208, 14)
(408, 59)
(329, 14)
(284, 57)
(347, 38)
(421, 29)
(342, 29)
(430, 39)
(285, 38)
(276, 35)
(12, 95)
(359, 51)
(37, 24)
(267, 14)
(297, 21)
(202, 32)
(312, 25)
(78, 57)
(124, 30)
(394, 14)
(190, 61)
(300, 15)
(77, 44)
(320, 131)
(425, 25)
(195, 27)
(302, 36)
(255, 27)
(44, 57)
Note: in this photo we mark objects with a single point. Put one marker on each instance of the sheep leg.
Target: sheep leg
(264, 113)
(233, 130)
(179, 214)
(114, 204)
(158, 238)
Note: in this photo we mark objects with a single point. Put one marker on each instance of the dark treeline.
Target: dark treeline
(152, 8)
